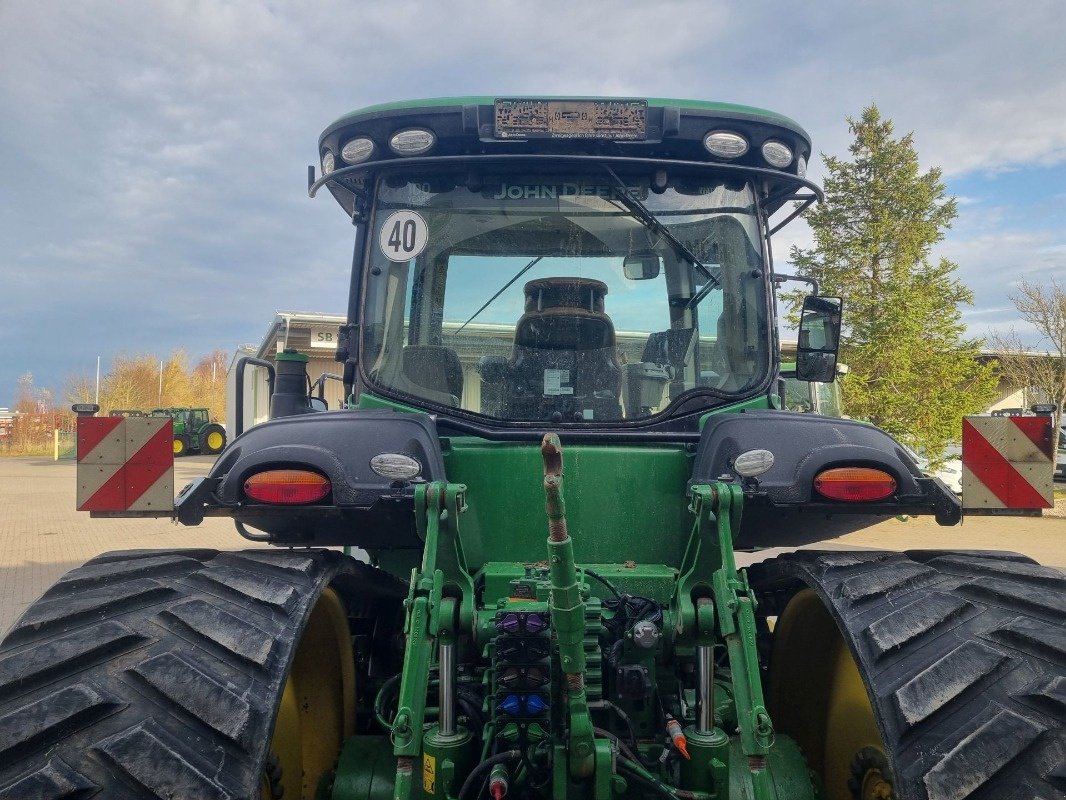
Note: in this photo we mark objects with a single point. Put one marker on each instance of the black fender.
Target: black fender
(805, 444)
(363, 509)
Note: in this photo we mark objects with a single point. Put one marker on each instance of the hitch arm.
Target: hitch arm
(718, 509)
(429, 615)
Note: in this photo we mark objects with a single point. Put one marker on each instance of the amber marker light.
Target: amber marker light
(288, 487)
(855, 484)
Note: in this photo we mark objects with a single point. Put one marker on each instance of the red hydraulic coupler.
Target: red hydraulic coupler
(498, 784)
(677, 736)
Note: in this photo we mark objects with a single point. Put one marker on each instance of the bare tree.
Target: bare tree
(145, 381)
(208, 383)
(131, 382)
(35, 418)
(1040, 369)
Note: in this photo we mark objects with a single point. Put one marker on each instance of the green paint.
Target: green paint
(785, 776)
(366, 769)
(287, 356)
(446, 761)
(421, 626)
(624, 503)
(718, 509)
(567, 608)
(757, 403)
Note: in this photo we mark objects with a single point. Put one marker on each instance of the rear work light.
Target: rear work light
(855, 484)
(725, 144)
(357, 150)
(288, 487)
(778, 154)
(412, 141)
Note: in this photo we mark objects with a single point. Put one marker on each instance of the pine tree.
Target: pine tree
(912, 371)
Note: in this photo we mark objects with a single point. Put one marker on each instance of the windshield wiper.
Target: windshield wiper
(645, 217)
(705, 290)
(503, 289)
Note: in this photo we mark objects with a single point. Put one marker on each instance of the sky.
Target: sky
(153, 155)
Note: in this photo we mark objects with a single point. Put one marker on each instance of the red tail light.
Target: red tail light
(289, 487)
(855, 484)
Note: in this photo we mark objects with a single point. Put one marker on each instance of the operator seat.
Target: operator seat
(434, 369)
(675, 349)
(564, 364)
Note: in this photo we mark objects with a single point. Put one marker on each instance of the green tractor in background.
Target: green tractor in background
(548, 289)
(194, 431)
(812, 397)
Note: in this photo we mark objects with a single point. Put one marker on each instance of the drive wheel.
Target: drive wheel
(212, 440)
(920, 676)
(318, 700)
(820, 698)
(181, 444)
(157, 674)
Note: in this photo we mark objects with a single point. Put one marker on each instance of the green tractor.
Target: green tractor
(510, 566)
(812, 397)
(194, 431)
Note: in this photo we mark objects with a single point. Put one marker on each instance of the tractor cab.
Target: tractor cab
(583, 263)
(538, 300)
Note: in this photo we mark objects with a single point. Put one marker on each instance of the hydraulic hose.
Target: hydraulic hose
(610, 586)
(487, 764)
(379, 701)
(631, 769)
(622, 715)
(622, 746)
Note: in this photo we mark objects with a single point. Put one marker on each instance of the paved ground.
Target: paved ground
(42, 536)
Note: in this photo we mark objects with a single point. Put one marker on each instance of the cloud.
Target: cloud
(153, 153)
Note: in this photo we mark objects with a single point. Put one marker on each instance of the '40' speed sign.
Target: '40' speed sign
(403, 236)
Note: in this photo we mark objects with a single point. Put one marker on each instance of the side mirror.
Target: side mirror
(819, 339)
(642, 267)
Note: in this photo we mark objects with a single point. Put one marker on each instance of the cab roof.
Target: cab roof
(762, 144)
(709, 106)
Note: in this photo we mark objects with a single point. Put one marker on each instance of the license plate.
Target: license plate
(571, 119)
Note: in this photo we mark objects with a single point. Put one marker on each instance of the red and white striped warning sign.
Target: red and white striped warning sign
(125, 463)
(1007, 462)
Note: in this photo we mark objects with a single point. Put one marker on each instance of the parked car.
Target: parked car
(950, 471)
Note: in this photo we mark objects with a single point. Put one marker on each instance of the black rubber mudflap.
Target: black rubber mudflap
(157, 674)
(963, 655)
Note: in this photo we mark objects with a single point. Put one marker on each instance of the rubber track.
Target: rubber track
(155, 674)
(963, 655)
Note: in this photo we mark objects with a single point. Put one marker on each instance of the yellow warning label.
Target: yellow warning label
(429, 774)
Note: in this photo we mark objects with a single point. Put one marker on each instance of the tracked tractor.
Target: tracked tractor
(509, 567)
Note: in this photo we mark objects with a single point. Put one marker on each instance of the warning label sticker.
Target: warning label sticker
(429, 774)
(556, 382)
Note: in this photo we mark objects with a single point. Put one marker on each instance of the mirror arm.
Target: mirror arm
(805, 202)
(780, 277)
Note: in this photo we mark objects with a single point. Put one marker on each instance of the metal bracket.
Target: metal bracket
(190, 502)
(718, 508)
(430, 613)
